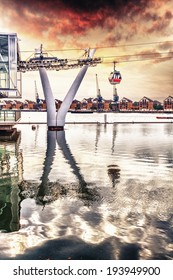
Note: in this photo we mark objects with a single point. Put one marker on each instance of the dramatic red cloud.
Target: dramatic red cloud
(122, 30)
(64, 22)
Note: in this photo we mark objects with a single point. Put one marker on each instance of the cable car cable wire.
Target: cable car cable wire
(105, 47)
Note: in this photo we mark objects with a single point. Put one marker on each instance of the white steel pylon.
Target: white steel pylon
(49, 98)
(57, 121)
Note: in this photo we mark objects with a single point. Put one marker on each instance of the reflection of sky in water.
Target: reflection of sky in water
(107, 194)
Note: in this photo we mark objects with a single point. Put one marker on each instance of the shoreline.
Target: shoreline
(100, 123)
(99, 112)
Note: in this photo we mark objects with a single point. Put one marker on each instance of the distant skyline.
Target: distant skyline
(118, 29)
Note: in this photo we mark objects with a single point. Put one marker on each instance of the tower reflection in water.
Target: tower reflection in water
(47, 191)
(10, 176)
(14, 189)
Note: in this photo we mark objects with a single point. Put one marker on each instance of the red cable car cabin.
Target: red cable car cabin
(115, 77)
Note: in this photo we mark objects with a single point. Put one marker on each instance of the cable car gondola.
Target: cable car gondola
(115, 77)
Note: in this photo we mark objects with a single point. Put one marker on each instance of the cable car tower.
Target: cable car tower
(115, 79)
(42, 62)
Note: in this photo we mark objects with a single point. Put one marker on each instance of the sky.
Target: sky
(124, 31)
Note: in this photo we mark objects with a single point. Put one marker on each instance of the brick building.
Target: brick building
(168, 103)
(125, 104)
(146, 103)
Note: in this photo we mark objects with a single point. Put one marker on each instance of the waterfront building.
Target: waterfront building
(7, 104)
(87, 103)
(135, 105)
(2, 104)
(107, 105)
(17, 104)
(84, 103)
(168, 103)
(42, 104)
(157, 105)
(95, 104)
(90, 103)
(75, 105)
(115, 106)
(146, 103)
(29, 104)
(125, 104)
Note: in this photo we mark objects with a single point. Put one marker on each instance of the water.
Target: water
(93, 191)
(100, 117)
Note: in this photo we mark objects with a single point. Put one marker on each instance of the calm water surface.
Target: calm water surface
(93, 191)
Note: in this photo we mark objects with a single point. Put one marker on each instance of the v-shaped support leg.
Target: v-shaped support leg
(57, 121)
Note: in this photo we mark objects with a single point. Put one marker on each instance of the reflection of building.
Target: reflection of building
(10, 176)
(10, 80)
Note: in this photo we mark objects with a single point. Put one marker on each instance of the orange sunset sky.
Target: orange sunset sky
(126, 31)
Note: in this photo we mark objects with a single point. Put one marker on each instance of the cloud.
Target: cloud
(64, 21)
(160, 23)
(166, 46)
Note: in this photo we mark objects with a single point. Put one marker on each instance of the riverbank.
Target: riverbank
(94, 111)
(36, 118)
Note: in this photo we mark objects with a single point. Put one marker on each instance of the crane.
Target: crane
(37, 98)
(99, 97)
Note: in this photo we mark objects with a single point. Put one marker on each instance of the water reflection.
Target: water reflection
(87, 194)
(44, 195)
(114, 136)
(10, 175)
(61, 140)
(99, 195)
(168, 129)
(114, 174)
(98, 131)
(48, 191)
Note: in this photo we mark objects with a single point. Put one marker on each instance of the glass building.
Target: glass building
(10, 79)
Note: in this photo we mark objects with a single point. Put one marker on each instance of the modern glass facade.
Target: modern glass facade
(9, 80)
